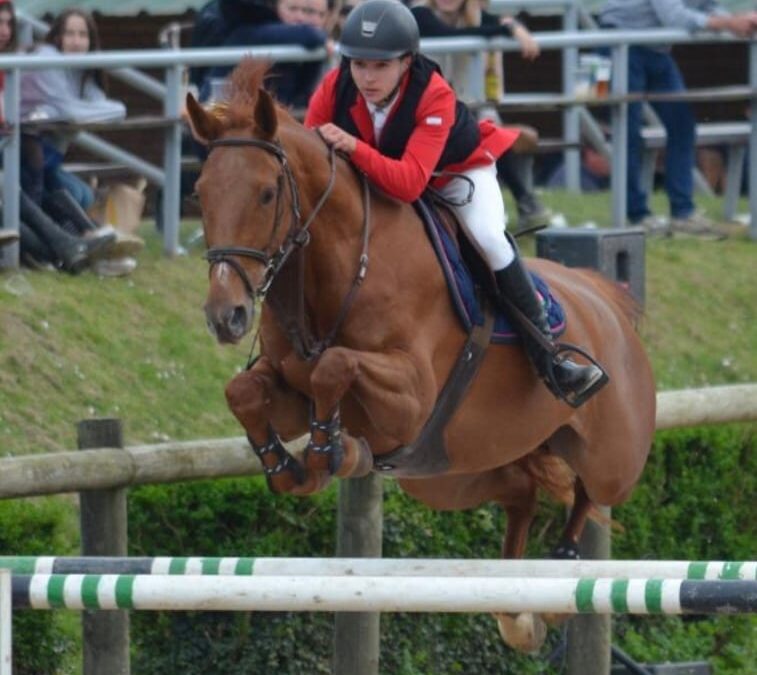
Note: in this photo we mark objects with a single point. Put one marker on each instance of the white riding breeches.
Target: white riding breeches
(483, 218)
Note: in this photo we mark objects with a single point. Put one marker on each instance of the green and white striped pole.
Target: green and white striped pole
(385, 594)
(408, 567)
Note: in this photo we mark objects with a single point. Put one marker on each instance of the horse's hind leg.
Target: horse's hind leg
(525, 631)
(267, 407)
(567, 547)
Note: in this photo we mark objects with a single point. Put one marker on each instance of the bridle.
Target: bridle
(297, 236)
(296, 239)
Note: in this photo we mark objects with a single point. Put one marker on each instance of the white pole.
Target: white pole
(388, 594)
(6, 618)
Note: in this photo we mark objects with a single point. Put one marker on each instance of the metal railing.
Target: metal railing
(173, 61)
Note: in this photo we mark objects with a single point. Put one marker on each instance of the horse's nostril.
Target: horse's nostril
(238, 319)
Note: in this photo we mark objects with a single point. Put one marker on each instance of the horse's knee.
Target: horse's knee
(247, 395)
(337, 369)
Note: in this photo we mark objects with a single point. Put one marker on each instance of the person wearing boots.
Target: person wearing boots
(62, 94)
(44, 241)
(389, 108)
(66, 210)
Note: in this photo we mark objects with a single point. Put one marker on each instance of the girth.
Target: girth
(427, 455)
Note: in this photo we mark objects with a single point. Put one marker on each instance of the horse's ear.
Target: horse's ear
(265, 114)
(204, 125)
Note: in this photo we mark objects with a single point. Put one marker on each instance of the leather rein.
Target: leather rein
(291, 306)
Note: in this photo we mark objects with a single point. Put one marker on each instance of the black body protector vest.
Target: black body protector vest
(464, 135)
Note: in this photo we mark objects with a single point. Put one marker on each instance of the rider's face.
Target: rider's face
(376, 80)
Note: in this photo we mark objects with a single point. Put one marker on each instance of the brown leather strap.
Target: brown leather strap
(427, 455)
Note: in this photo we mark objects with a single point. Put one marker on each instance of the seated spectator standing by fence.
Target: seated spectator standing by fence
(256, 24)
(43, 241)
(454, 18)
(653, 69)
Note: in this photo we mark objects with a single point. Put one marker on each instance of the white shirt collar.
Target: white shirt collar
(379, 114)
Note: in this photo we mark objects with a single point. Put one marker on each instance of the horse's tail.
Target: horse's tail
(553, 475)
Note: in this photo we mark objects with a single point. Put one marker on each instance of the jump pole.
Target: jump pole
(404, 567)
(6, 621)
(385, 594)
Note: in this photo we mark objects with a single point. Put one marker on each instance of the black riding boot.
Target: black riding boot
(73, 253)
(573, 382)
(62, 205)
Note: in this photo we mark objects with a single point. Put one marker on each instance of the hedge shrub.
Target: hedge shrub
(695, 501)
(37, 527)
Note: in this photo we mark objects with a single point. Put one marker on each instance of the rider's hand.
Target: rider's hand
(338, 138)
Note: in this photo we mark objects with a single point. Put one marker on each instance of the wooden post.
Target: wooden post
(359, 535)
(589, 635)
(103, 533)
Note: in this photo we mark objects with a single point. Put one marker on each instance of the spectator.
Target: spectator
(64, 95)
(449, 18)
(391, 111)
(291, 83)
(43, 241)
(653, 69)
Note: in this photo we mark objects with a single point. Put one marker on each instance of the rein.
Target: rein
(292, 308)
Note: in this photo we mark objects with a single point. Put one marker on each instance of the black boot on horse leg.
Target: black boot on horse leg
(324, 451)
(567, 548)
(570, 381)
(335, 451)
(283, 473)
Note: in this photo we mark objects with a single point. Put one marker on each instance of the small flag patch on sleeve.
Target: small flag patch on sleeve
(434, 121)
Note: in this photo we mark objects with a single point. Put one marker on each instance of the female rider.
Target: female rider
(392, 112)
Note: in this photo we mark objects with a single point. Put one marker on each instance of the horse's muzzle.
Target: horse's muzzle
(229, 323)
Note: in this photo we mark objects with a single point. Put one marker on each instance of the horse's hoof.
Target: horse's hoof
(525, 632)
(566, 552)
(555, 620)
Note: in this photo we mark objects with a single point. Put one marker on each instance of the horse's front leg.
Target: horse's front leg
(391, 392)
(266, 407)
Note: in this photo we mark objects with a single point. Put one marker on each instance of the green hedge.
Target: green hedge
(37, 527)
(695, 501)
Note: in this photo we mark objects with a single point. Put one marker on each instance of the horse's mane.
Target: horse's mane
(244, 85)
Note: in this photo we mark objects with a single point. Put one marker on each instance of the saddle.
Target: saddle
(469, 281)
(471, 286)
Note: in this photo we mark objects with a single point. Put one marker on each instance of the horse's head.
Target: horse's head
(248, 198)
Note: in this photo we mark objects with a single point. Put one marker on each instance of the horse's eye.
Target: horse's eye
(267, 195)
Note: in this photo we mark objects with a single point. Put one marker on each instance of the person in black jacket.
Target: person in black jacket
(240, 23)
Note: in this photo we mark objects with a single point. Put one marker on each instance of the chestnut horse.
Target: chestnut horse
(376, 336)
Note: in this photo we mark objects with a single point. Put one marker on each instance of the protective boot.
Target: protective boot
(72, 253)
(570, 381)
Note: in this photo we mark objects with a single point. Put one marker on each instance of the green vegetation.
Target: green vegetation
(137, 348)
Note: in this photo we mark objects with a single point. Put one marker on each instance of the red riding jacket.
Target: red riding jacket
(406, 178)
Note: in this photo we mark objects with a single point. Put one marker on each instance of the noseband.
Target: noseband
(296, 238)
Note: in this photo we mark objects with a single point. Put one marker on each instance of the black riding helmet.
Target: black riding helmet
(379, 30)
